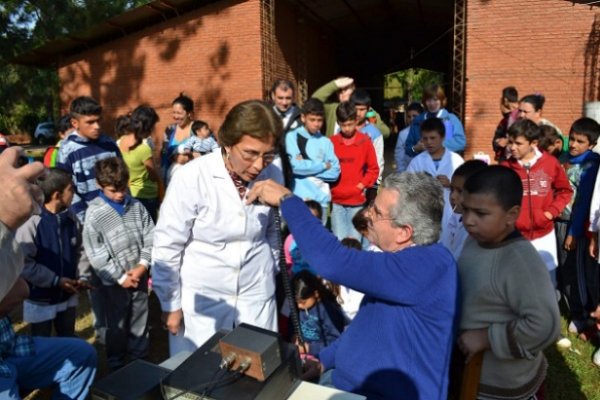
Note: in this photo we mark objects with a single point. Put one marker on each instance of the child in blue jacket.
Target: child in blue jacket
(51, 243)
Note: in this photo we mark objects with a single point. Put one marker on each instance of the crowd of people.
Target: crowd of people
(389, 274)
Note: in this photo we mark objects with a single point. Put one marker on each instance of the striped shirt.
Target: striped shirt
(116, 243)
(78, 155)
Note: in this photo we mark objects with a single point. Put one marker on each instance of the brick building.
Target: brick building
(546, 46)
(222, 52)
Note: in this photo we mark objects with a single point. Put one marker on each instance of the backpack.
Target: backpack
(50, 155)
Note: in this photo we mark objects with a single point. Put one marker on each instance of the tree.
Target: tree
(408, 84)
(30, 95)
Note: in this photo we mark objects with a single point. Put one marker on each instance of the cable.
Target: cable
(228, 380)
(287, 285)
(213, 381)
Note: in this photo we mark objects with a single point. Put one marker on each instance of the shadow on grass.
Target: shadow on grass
(561, 382)
(159, 342)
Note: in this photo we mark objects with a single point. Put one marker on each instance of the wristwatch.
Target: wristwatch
(285, 197)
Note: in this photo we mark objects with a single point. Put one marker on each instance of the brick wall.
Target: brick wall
(535, 45)
(212, 54)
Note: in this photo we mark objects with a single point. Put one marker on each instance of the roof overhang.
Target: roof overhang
(49, 55)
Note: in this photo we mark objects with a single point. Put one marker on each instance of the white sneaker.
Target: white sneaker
(564, 343)
(596, 358)
(576, 326)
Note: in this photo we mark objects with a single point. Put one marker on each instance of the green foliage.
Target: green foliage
(408, 85)
(30, 95)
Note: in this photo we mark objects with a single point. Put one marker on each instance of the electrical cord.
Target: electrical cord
(237, 374)
(213, 382)
(286, 283)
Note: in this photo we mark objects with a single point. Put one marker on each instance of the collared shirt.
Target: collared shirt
(12, 345)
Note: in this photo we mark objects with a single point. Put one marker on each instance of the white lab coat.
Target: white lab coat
(447, 165)
(214, 257)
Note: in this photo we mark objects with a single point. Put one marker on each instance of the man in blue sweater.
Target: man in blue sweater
(399, 344)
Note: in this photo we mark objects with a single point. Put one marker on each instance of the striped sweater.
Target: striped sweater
(117, 243)
(78, 155)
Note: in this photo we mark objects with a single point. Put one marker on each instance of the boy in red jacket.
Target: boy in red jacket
(546, 190)
(359, 171)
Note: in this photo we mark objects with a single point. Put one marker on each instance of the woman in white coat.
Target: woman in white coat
(214, 257)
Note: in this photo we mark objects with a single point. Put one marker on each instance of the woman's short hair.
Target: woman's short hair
(254, 118)
(420, 204)
(435, 92)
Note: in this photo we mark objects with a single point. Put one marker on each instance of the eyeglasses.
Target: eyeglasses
(375, 214)
(252, 156)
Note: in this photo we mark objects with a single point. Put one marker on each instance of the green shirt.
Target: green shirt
(140, 184)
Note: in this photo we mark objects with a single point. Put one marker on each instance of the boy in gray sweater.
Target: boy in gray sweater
(117, 237)
(509, 309)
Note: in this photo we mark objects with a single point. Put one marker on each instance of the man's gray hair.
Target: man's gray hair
(420, 204)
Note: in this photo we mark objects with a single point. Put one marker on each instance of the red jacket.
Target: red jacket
(545, 188)
(358, 163)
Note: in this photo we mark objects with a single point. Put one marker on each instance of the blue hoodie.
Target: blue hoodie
(310, 174)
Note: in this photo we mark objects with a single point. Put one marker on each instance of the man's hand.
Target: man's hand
(172, 321)
(19, 196)
(267, 192)
(548, 215)
(299, 157)
(473, 341)
(360, 186)
(343, 82)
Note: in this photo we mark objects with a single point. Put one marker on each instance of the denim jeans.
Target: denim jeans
(66, 364)
(341, 221)
(326, 378)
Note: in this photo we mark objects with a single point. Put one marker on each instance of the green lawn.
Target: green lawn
(571, 375)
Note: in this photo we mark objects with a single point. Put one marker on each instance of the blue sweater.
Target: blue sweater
(399, 344)
(78, 155)
(454, 140)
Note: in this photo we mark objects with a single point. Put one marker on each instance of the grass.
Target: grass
(571, 373)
